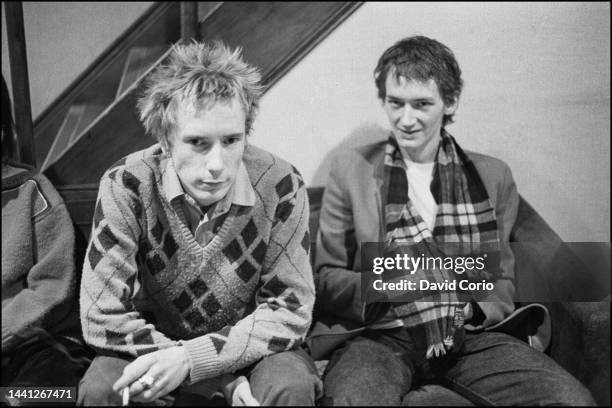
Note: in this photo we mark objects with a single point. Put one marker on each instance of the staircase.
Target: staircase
(94, 122)
(96, 96)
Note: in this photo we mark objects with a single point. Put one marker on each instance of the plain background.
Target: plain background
(536, 94)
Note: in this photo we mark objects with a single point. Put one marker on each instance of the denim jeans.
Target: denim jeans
(287, 378)
(381, 368)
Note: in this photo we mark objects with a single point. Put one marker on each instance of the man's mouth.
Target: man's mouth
(408, 133)
(212, 185)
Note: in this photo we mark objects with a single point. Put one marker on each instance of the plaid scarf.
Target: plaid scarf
(465, 224)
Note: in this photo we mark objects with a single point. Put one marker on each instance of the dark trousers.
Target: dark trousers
(287, 378)
(51, 362)
(380, 368)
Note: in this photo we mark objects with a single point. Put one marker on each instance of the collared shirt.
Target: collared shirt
(202, 224)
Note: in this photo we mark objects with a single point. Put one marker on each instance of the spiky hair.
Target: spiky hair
(201, 74)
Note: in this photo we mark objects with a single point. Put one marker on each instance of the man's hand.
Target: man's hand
(237, 391)
(168, 368)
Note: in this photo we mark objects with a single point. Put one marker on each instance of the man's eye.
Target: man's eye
(421, 104)
(394, 104)
(196, 142)
(232, 140)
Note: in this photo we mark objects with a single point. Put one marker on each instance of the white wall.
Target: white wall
(63, 38)
(537, 89)
(536, 95)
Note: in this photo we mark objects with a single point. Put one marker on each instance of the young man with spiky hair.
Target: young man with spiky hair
(419, 188)
(197, 275)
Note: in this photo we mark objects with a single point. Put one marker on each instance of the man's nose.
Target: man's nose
(408, 117)
(214, 160)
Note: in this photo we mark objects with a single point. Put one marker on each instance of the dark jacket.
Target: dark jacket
(351, 213)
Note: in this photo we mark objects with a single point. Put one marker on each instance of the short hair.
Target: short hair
(420, 58)
(9, 142)
(200, 73)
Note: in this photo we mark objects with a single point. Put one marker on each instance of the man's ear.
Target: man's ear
(163, 142)
(450, 109)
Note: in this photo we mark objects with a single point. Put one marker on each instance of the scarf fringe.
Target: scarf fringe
(439, 349)
(436, 350)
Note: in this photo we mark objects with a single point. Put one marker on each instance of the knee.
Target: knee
(96, 386)
(293, 391)
(287, 378)
(559, 387)
(92, 391)
(570, 392)
(553, 388)
(365, 373)
(365, 362)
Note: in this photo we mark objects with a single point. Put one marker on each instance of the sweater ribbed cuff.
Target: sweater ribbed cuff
(203, 358)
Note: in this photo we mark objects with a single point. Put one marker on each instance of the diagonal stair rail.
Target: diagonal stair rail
(274, 36)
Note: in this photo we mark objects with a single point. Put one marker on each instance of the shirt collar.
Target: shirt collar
(240, 193)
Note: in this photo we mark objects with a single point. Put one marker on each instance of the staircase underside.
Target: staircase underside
(95, 123)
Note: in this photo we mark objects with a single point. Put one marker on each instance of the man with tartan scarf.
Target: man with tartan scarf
(420, 189)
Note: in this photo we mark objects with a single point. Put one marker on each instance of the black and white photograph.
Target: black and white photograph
(305, 203)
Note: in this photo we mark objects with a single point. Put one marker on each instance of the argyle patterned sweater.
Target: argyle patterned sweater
(147, 284)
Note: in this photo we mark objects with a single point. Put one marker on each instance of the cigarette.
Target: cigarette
(126, 396)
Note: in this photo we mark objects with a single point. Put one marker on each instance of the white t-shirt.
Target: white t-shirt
(419, 180)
